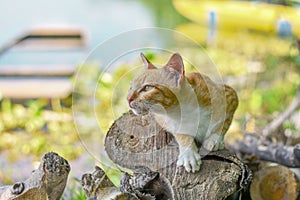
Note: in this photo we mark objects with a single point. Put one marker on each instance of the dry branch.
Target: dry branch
(277, 122)
(45, 183)
(265, 150)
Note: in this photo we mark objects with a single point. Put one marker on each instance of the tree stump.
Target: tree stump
(138, 142)
(45, 183)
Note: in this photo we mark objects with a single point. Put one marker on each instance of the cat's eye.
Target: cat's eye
(147, 88)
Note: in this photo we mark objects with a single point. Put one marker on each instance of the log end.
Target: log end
(274, 182)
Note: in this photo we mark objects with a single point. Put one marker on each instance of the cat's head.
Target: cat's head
(154, 88)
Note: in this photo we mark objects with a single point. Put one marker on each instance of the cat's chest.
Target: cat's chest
(185, 119)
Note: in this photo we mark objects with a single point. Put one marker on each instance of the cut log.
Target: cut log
(138, 141)
(45, 183)
(274, 183)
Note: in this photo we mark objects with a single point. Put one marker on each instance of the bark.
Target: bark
(47, 182)
(139, 143)
(97, 186)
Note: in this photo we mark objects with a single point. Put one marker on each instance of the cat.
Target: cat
(191, 106)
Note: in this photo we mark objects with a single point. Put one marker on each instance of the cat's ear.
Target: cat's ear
(147, 63)
(175, 63)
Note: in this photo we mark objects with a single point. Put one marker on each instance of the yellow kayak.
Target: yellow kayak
(232, 15)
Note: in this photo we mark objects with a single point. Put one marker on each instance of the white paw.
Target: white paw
(189, 159)
(214, 142)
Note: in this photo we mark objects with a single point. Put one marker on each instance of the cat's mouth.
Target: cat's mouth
(139, 108)
(139, 112)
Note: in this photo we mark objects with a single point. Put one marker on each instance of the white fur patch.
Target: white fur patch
(188, 120)
(189, 159)
(134, 111)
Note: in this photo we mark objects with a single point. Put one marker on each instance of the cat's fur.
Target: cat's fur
(191, 106)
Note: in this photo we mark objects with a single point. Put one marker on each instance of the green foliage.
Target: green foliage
(74, 190)
(39, 127)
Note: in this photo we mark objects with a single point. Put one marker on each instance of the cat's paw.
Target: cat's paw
(214, 142)
(189, 159)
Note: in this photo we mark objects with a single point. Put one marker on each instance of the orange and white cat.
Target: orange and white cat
(191, 106)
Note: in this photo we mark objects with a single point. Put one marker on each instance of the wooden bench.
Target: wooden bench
(24, 81)
(28, 81)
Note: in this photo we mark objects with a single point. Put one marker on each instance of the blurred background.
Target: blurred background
(44, 44)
